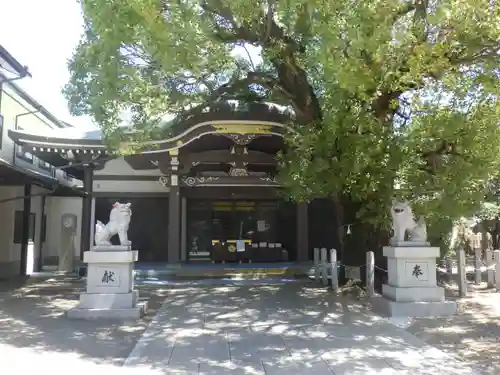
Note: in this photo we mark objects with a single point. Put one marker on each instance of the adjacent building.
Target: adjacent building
(27, 183)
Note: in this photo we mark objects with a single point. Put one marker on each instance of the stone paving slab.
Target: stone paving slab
(36, 335)
(281, 329)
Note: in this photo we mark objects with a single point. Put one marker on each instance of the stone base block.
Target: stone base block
(386, 307)
(134, 313)
(412, 252)
(410, 243)
(111, 248)
(413, 294)
(109, 300)
(116, 256)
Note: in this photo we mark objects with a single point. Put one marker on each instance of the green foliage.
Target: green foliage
(404, 79)
(390, 97)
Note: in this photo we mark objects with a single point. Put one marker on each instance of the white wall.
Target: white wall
(55, 207)
(12, 105)
(10, 253)
(119, 167)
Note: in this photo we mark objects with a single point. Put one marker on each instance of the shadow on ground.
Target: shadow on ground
(296, 328)
(32, 315)
(474, 333)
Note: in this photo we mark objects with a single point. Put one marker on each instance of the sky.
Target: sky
(42, 34)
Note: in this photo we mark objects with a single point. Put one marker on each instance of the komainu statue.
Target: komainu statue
(404, 223)
(119, 221)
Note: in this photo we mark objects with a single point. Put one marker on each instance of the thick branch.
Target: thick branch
(235, 88)
(269, 20)
(292, 81)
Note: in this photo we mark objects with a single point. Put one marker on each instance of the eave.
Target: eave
(10, 63)
(11, 174)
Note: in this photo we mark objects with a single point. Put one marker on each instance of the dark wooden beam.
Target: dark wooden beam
(220, 156)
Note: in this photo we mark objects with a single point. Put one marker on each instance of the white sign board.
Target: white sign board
(240, 246)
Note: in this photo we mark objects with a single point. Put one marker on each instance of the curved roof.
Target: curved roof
(224, 118)
(62, 147)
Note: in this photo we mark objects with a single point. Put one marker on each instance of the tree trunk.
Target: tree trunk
(495, 234)
(339, 229)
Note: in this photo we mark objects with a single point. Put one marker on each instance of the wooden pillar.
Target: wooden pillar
(174, 211)
(302, 232)
(183, 229)
(88, 181)
(26, 228)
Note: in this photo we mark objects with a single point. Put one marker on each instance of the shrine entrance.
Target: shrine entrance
(223, 231)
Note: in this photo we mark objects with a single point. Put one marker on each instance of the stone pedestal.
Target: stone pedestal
(110, 287)
(412, 290)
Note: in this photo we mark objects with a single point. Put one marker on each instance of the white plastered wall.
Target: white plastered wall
(119, 167)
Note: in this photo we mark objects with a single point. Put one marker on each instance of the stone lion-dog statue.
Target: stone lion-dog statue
(404, 223)
(119, 221)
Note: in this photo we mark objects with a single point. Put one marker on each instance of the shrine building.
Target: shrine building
(205, 192)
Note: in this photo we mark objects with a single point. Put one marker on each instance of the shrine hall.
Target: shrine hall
(206, 191)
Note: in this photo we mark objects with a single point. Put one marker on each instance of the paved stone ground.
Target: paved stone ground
(240, 329)
(279, 329)
(35, 335)
(473, 334)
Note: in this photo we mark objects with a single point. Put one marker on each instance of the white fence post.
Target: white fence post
(335, 275)
(462, 275)
(370, 273)
(324, 266)
(490, 273)
(496, 257)
(478, 265)
(449, 266)
(317, 264)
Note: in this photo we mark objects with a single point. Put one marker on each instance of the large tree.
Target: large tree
(384, 93)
